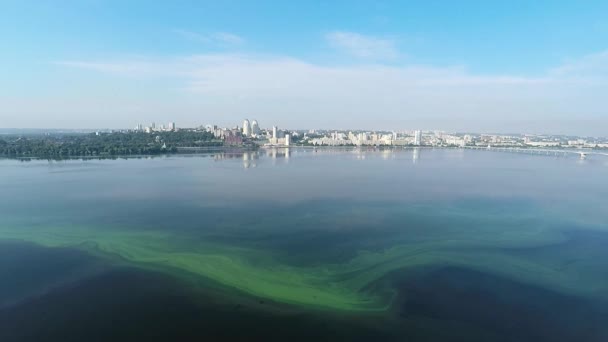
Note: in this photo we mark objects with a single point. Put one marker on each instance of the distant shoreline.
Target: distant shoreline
(210, 150)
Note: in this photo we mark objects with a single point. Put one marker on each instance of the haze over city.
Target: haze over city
(516, 67)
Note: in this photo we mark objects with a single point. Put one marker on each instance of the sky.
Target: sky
(463, 66)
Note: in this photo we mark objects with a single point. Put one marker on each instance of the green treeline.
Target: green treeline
(103, 144)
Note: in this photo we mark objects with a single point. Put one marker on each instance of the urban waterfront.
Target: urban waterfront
(427, 244)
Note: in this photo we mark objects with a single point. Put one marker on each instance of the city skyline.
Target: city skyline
(416, 137)
(468, 67)
(172, 126)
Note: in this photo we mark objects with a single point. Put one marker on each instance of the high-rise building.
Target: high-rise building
(255, 127)
(274, 132)
(172, 126)
(287, 139)
(246, 128)
(418, 138)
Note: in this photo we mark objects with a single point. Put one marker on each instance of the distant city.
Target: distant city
(250, 132)
(169, 138)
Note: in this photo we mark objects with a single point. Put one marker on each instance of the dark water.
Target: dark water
(425, 245)
(128, 304)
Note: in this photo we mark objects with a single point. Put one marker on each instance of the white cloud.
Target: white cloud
(590, 68)
(134, 68)
(231, 71)
(211, 38)
(228, 37)
(299, 94)
(363, 46)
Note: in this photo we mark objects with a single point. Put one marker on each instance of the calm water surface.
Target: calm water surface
(429, 245)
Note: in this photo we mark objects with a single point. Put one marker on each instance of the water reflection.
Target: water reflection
(278, 153)
(251, 158)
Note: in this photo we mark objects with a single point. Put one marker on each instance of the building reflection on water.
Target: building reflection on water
(276, 155)
(385, 153)
(251, 158)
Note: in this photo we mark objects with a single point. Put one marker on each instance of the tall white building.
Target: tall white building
(246, 128)
(274, 132)
(287, 139)
(418, 138)
(255, 127)
(172, 126)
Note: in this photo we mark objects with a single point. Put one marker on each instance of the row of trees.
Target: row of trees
(104, 144)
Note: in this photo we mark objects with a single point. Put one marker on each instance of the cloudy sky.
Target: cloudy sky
(503, 66)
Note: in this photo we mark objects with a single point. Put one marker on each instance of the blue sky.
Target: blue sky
(528, 66)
